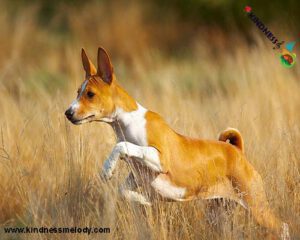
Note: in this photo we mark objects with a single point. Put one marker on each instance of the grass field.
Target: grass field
(49, 167)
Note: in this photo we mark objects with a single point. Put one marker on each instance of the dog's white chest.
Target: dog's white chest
(136, 134)
(132, 126)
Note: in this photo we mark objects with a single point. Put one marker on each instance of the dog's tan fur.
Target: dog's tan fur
(204, 168)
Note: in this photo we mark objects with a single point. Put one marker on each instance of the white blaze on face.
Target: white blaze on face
(75, 104)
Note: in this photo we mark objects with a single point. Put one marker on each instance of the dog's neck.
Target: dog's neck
(129, 118)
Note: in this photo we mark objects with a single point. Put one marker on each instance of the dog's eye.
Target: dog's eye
(90, 94)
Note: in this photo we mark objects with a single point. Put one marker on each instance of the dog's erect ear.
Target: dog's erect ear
(88, 66)
(105, 69)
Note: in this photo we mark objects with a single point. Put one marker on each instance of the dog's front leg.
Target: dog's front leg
(148, 156)
(111, 163)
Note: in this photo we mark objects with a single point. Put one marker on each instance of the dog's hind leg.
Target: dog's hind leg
(249, 182)
(127, 191)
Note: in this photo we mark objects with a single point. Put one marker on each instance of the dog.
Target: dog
(171, 166)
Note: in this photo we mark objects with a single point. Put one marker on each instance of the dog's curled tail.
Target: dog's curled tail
(233, 136)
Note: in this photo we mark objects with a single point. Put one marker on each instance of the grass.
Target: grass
(49, 168)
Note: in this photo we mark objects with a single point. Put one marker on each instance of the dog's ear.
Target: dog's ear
(105, 69)
(88, 66)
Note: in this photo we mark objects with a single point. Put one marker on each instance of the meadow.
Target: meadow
(49, 168)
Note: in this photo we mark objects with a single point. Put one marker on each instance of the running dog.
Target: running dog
(169, 165)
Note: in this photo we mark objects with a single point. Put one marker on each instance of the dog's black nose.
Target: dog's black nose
(69, 113)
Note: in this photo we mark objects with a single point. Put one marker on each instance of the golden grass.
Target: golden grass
(49, 168)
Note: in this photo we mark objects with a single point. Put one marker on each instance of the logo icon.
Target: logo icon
(287, 57)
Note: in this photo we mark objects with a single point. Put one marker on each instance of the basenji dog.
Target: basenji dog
(172, 166)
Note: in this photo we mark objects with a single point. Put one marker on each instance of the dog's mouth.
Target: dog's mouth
(83, 120)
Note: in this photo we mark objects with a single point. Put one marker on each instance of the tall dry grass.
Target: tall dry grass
(49, 168)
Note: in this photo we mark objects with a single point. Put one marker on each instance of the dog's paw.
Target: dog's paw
(111, 162)
(106, 174)
(146, 203)
(107, 170)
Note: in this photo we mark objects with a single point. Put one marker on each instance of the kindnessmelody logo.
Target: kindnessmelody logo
(286, 56)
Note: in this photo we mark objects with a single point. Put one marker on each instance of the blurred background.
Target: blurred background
(201, 64)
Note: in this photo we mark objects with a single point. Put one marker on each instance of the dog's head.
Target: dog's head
(94, 101)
